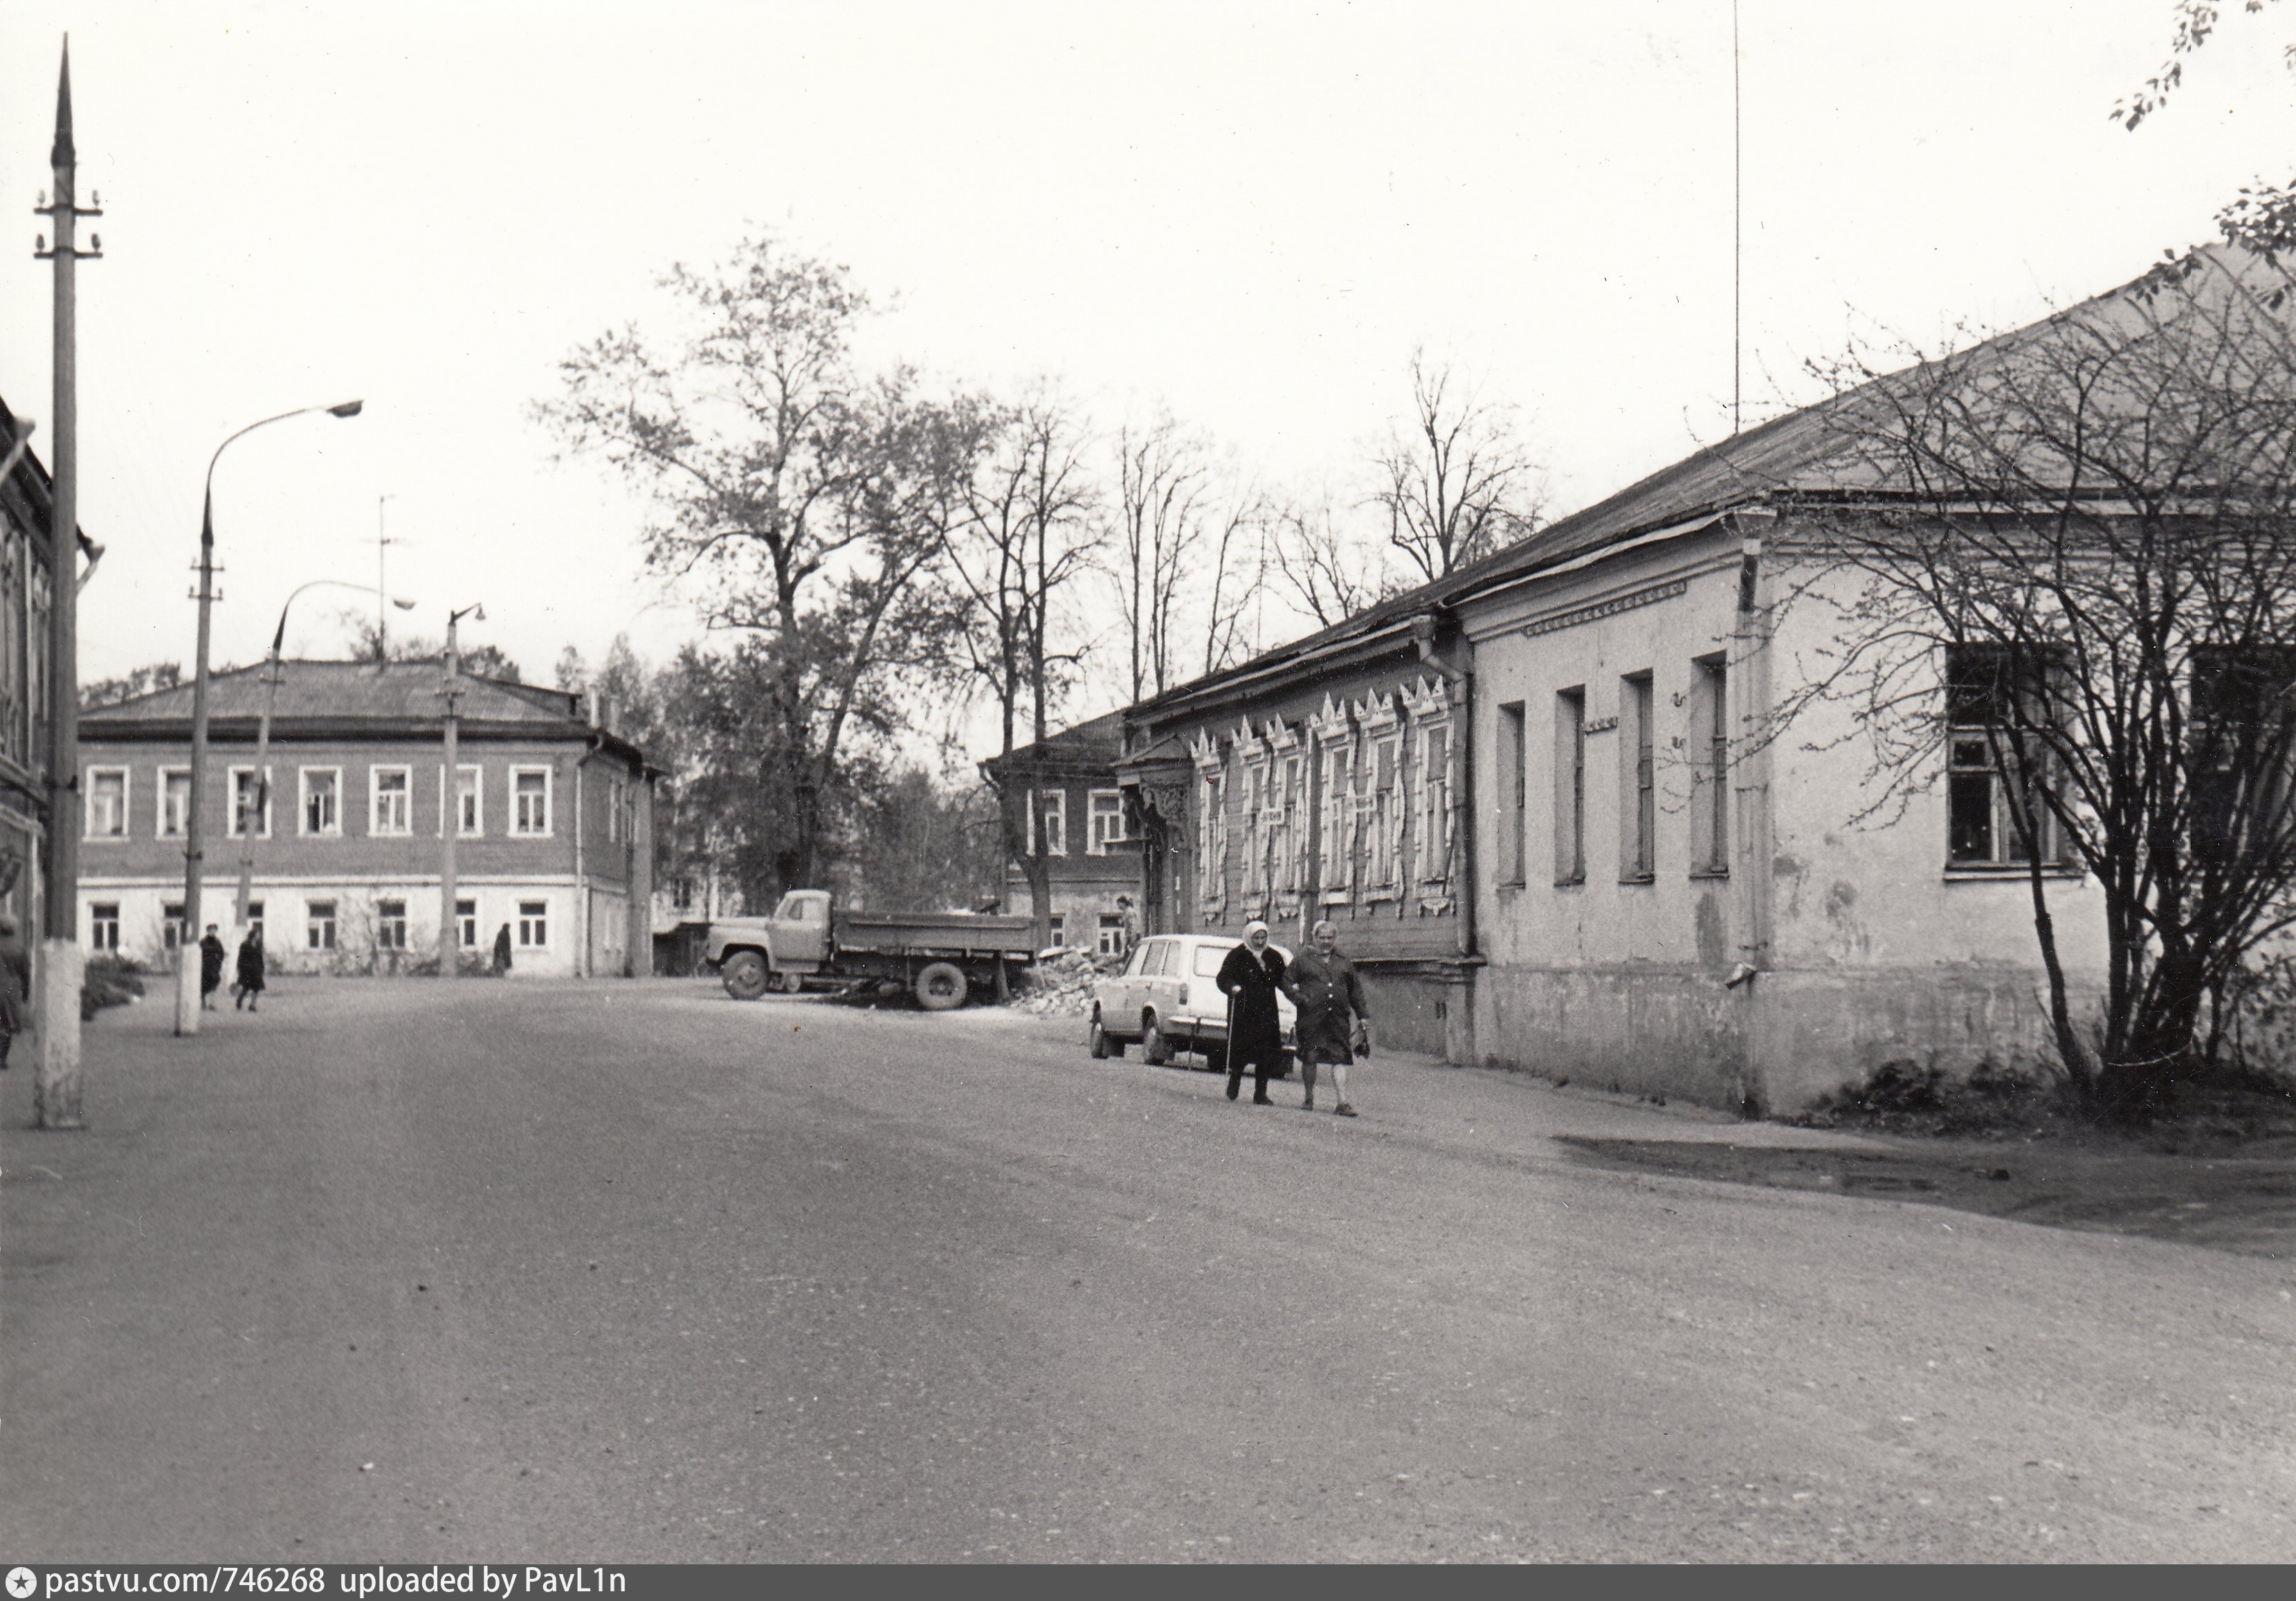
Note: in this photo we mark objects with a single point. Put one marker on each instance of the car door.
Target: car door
(800, 931)
(1120, 991)
(1206, 1011)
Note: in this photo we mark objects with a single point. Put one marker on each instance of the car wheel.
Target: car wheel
(940, 986)
(1097, 1039)
(1153, 1045)
(746, 975)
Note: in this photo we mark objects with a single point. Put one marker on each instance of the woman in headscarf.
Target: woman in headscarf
(1249, 978)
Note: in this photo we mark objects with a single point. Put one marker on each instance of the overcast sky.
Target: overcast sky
(1253, 213)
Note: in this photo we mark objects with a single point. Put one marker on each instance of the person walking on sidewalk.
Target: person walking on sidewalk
(250, 986)
(15, 986)
(1250, 979)
(211, 955)
(502, 950)
(1324, 986)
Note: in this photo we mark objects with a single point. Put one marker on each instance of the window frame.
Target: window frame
(88, 809)
(1963, 734)
(530, 921)
(391, 927)
(160, 829)
(1512, 776)
(102, 915)
(1570, 785)
(1096, 842)
(1049, 810)
(374, 794)
(267, 788)
(549, 804)
(477, 770)
(315, 920)
(304, 795)
(1637, 778)
(1708, 738)
(466, 923)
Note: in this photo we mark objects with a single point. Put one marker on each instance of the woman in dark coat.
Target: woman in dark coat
(250, 971)
(501, 951)
(1249, 978)
(211, 967)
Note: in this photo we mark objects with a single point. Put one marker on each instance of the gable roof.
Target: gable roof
(1089, 749)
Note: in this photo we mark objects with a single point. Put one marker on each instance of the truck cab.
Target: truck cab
(799, 932)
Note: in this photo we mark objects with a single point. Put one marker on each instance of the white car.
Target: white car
(1168, 999)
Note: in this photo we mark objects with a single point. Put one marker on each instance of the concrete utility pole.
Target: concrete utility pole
(450, 812)
(57, 1087)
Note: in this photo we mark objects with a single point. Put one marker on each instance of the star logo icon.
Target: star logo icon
(22, 1583)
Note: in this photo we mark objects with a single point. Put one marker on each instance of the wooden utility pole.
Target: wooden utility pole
(450, 814)
(57, 1090)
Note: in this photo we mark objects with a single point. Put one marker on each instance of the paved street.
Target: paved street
(632, 1271)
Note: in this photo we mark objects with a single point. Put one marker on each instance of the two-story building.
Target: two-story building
(1078, 816)
(341, 843)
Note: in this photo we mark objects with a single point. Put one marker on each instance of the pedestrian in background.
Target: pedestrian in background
(251, 970)
(501, 951)
(211, 955)
(1334, 1024)
(1128, 916)
(15, 986)
(1250, 979)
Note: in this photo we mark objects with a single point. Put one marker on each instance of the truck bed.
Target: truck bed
(900, 934)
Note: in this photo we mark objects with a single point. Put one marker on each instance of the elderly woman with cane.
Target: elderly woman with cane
(1250, 979)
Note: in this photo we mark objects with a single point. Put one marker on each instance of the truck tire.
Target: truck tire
(940, 986)
(746, 975)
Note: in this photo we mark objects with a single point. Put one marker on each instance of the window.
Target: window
(1209, 959)
(1434, 828)
(171, 926)
(681, 893)
(255, 917)
(1255, 833)
(1570, 787)
(390, 925)
(469, 798)
(174, 801)
(1288, 837)
(321, 800)
(1111, 933)
(1211, 838)
(2242, 734)
(1052, 811)
(251, 800)
(1638, 783)
(1709, 768)
(1107, 821)
(533, 925)
(1994, 766)
(466, 917)
(1059, 926)
(1512, 762)
(1386, 814)
(613, 810)
(530, 800)
(391, 809)
(107, 803)
(1338, 821)
(103, 926)
(319, 925)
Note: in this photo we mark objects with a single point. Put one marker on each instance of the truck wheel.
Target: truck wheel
(1099, 1044)
(1152, 1047)
(746, 975)
(940, 986)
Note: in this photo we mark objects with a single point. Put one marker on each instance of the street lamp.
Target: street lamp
(271, 676)
(187, 975)
(450, 816)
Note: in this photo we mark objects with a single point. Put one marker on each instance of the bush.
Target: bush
(109, 980)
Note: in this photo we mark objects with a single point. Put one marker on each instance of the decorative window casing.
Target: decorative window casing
(1434, 782)
(1211, 826)
(1287, 813)
(1258, 837)
(1335, 824)
(1379, 798)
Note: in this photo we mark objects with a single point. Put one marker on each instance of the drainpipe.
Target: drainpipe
(1750, 688)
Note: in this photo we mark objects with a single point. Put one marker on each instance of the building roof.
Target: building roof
(1808, 452)
(1088, 748)
(351, 699)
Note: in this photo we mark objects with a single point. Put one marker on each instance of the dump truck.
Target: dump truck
(942, 957)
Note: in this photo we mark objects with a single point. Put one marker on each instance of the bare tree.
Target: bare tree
(798, 499)
(1330, 572)
(1163, 482)
(1241, 555)
(1025, 536)
(1455, 483)
(2069, 577)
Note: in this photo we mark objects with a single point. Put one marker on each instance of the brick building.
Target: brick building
(554, 837)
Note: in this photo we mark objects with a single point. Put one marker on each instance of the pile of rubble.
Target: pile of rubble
(1060, 985)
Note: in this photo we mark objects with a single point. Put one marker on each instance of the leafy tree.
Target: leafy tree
(2263, 218)
(364, 641)
(143, 681)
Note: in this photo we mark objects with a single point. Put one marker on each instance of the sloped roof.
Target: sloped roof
(1805, 451)
(1095, 743)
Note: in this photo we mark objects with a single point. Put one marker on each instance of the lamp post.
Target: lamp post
(450, 815)
(271, 675)
(187, 972)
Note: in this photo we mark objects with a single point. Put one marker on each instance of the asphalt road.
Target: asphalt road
(635, 1272)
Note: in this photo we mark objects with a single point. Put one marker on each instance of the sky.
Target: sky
(1252, 214)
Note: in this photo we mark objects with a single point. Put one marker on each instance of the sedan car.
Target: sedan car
(1166, 998)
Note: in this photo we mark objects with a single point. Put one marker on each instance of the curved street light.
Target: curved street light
(187, 972)
(271, 675)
